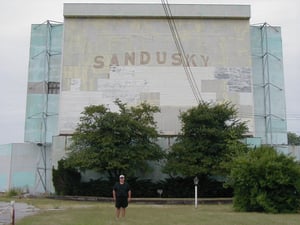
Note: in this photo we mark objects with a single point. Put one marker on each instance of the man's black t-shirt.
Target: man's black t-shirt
(121, 189)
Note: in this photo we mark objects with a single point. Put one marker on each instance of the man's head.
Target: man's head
(122, 178)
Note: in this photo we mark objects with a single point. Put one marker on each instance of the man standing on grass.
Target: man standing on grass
(121, 196)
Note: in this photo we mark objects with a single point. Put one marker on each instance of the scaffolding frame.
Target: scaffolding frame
(44, 146)
(268, 85)
(48, 53)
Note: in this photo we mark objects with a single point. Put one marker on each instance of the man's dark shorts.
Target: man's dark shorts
(121, 202)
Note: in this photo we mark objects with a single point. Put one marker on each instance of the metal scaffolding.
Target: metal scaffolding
(270, 114)
(41, 84)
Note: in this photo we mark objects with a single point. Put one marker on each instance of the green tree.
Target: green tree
(293, 139)
(265, 180)
(115, 142)
(210, 136)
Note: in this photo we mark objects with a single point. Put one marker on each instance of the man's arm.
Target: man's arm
(129, 195)
(114, 195)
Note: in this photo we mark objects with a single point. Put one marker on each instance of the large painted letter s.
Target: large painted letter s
(99, 63)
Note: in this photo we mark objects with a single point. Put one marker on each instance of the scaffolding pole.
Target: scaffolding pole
(268, 85)
(42, 165)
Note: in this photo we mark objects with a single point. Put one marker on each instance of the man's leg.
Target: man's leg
(123, 210)
(117, 213)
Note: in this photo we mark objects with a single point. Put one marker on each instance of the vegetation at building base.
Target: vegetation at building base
(176, 187)
(208, 146)
(66, 180)
(265, 181)
(13, 192)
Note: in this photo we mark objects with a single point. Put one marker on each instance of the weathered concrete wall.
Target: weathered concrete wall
(294, 151)
(5, 159)
(22, 166)
(134, 58)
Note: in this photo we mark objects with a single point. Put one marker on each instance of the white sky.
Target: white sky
(17, 16)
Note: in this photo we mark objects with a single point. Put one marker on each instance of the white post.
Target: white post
(196, 196)
(12, 213)
(196, 181)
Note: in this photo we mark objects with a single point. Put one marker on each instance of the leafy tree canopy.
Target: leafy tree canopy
(210, 136)
(115, 142)
(293, 139)
(266, 181)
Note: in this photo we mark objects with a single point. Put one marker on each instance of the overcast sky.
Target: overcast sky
(17, 16)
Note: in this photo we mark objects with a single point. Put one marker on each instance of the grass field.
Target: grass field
(58, 212)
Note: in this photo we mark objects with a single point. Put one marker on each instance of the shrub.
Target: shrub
(266, 181)
(65, 180)
(13, 192)
(183, 187)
